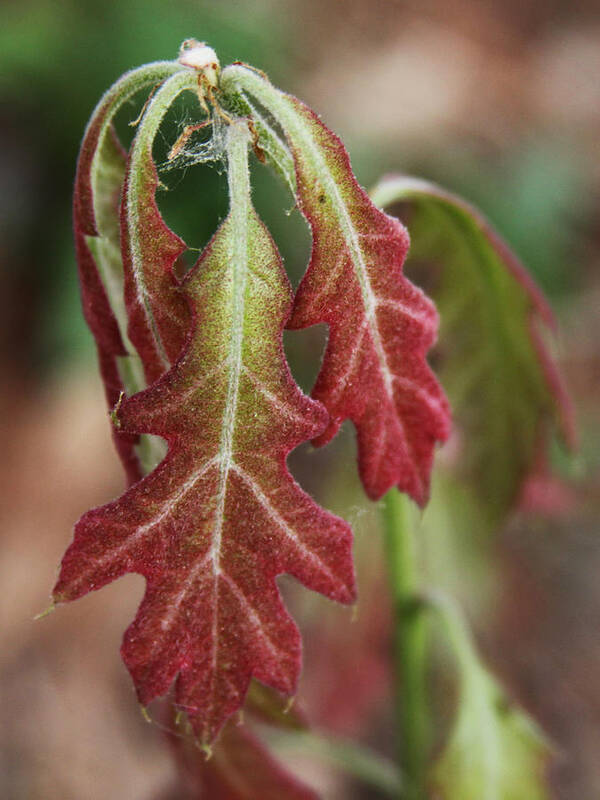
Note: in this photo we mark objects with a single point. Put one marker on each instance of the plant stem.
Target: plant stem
(409, 644)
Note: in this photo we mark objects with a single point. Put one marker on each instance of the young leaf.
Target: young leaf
(495, 751)
(213, 525)
(98, 182)
(501, 380)
(380, 325)
(158, 313)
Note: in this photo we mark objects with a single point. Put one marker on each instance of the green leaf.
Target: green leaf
(503, 386)
(495, 751)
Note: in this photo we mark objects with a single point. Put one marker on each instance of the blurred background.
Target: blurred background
(500, 102)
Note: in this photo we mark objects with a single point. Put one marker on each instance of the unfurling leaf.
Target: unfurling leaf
(495, 751)
(220, 517)
(157, 310)
(100, 174)
(501, 380)
(380, 325)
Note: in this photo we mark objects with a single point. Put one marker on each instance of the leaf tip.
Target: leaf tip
(46, 612)
(114, 412)
(289, 705)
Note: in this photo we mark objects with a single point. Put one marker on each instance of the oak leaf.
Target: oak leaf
(220, 517)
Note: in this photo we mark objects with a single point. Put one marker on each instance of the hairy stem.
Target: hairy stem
(409, 645)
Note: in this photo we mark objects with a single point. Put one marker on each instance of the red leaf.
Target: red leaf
(100, 173)
(96, 306)
(220, 517)
(240, 768)
(158, 313)
(381, 326)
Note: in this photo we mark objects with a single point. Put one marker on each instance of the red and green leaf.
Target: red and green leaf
(98, 183)
(502, 381)
(220, 517)
(380, 326)
(158, 313)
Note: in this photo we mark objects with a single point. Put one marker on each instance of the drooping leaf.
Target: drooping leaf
(494, 751)
(502, 382)
(380, 325)
(213, 525)
(240, 768)
(157, 310)
(98, 182)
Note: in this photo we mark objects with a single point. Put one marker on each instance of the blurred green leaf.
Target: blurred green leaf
(494, 751)
(347, 756)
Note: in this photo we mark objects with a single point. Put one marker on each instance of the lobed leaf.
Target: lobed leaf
(380, 325)
(495, 751)
(98, 182)
(220, 517)
(503, 385)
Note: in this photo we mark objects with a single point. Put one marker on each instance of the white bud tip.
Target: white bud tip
(201, 57)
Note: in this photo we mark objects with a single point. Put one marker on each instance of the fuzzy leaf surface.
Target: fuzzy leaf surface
(98, 183)
(380, 326)
(494, 751)
(220, 517)
(494, 362)
(157, 310)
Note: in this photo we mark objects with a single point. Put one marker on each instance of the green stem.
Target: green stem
(409, 645)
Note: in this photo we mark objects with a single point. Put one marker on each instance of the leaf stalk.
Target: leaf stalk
(410, 622)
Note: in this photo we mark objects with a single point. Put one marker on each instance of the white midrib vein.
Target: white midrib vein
(279, 105)
(239, 192)
(368, 295)
(239, 187)
(351, 238)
